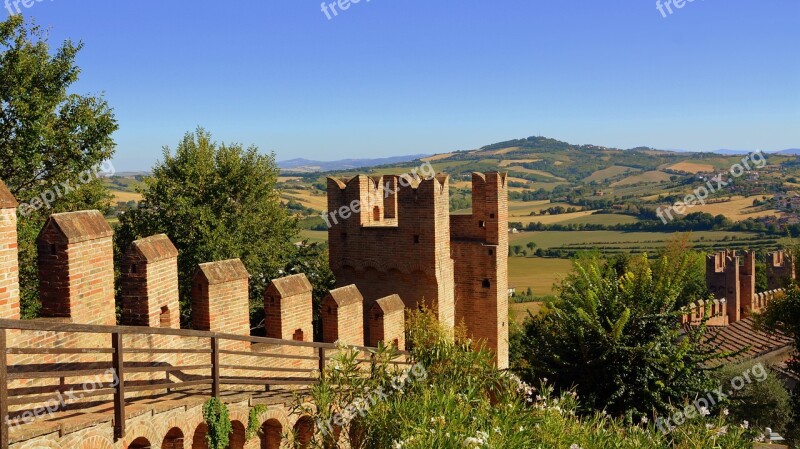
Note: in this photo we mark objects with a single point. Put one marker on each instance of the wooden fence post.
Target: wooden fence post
(215, 367)
(119, 394)
(3, 392)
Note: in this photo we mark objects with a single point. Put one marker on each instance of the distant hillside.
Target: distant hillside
(309, 166)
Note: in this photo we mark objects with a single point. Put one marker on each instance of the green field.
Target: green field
(537, 273)
(314, 236)
(627, 240)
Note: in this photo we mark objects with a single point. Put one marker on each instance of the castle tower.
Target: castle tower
(391, 235)
(479, 244)
(780, 269)
(395, 235)
(9, 265)
(722, 280)
(747, 283)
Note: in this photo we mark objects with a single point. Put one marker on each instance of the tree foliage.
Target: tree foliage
(614, 334)
(215, 202)
(48, 136)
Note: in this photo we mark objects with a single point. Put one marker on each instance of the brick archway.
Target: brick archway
(238, 437)
(140, 443)
(303, 432)
(271, 434)
(199, 436)
(174, 439)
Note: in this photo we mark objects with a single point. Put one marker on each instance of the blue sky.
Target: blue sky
(391, 77)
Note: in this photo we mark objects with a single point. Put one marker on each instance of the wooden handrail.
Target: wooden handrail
(215, 369)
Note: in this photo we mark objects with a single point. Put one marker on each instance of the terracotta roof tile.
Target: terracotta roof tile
(741, 336)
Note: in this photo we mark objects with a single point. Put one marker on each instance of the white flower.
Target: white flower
(644, 420)
(575, 446)
(745, 425)
(704, 411)
(725, 412)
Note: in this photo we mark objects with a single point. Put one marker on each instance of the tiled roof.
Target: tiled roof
(741, 336)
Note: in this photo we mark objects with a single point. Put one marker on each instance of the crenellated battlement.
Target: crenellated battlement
(76, 267)
(780, 269)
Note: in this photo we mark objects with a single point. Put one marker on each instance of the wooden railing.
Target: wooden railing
(121, 390)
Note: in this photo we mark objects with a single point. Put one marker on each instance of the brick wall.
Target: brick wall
(9, 268)
(387, 322)
(76, 268)
(343, 316)
(288, 309)
(149, 284)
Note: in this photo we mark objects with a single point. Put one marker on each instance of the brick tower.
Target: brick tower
(479, 245)
(722, 279)
(395, 235)
(780, 269)
(747, 283)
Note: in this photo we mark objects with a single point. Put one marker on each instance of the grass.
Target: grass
(632, 240)
(608, 173)
(602, 219)
(692, 167)
(314, 236)
(537, 273)
(737, 209)
(124, 197)
(652, 176)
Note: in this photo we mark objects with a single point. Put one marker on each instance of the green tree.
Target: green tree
(783, 314)
(617, 339)
(215, 202)
(49, 137)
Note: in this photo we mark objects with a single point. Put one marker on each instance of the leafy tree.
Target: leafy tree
(617, 339)
(783, 314)
(48, 137)
(215, 202)
(763, 402)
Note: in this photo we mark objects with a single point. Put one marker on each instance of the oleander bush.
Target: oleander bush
(452, 396)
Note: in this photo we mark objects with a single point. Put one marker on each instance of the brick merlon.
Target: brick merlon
(76, 227)
(7, 200)
(291, 285)
(346, 295)
(154, 249)
(222, 271)
(389, 304)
